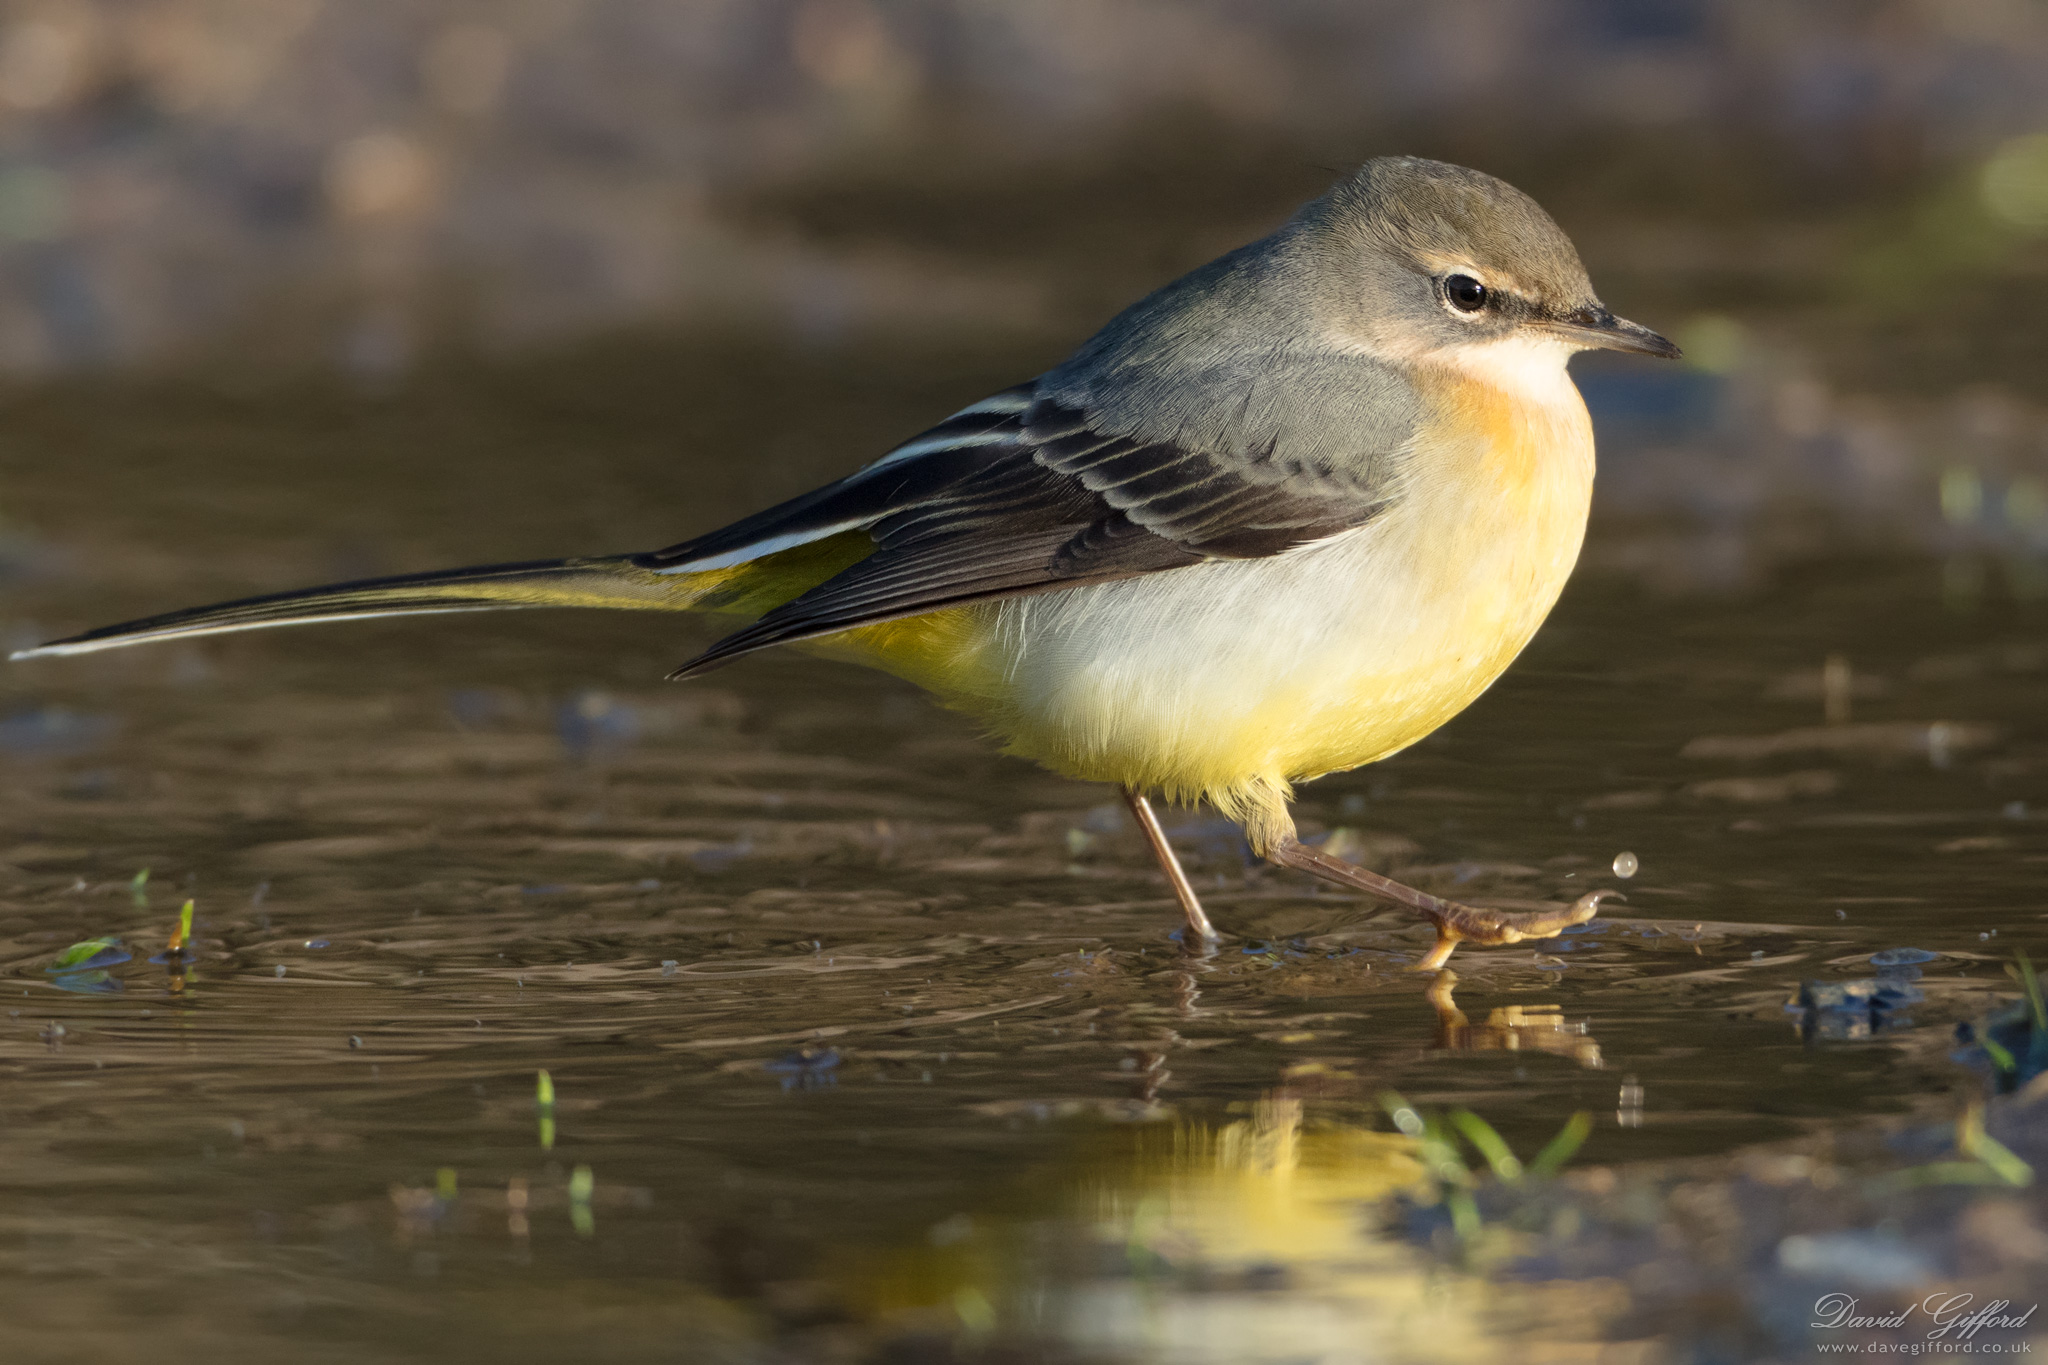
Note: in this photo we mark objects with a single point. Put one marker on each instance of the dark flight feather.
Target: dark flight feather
(1031, 500)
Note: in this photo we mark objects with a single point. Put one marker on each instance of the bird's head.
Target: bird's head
(1434, 260)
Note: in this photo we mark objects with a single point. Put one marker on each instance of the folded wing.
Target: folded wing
(1023, 494)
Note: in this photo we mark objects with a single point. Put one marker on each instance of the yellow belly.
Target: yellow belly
(1227, 681)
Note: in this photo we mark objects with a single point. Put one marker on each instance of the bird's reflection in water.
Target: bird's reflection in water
(1243, 1236)
(1226, 1236)
(1511, 1028)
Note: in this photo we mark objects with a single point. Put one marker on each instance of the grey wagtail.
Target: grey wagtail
(1283, 517)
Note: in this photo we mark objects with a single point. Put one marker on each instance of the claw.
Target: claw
(1588, 905)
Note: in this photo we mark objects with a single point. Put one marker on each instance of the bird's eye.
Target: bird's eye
(1464, 293)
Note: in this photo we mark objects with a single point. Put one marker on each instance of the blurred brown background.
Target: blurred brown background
(1840, 208)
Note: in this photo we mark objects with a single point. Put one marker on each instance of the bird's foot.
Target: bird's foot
(1455, 923)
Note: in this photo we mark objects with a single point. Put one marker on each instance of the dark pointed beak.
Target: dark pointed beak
(1594, 326)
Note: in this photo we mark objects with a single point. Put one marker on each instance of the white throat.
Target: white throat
(1528, 365)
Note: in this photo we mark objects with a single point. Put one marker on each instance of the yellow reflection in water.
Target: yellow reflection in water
(1249, 1239)
(1511, 1028)
(1261, 1190)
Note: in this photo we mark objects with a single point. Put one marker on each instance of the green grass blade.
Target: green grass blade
(1563, 1147)
(1464, 1214)
(83, 952)
(2031, 979)
(1488, 1143)
(1995, 1156)
(1402, 1113)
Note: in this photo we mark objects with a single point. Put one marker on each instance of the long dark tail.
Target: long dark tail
(617, 582)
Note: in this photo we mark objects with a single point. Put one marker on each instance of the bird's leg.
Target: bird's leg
(1200, 931)
(1455, 923)
(1452, 1027)
(1443, 1000)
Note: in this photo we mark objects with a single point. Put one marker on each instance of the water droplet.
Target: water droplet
(1628, 1110)
(1838, 687)
(280, 969)
(1901, 957)
(1625, 865)
(1938, 743)
(668, 966)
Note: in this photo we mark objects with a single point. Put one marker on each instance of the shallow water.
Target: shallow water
(872, 1040)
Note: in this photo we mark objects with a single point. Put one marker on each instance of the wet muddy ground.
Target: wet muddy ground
(864, 1041)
